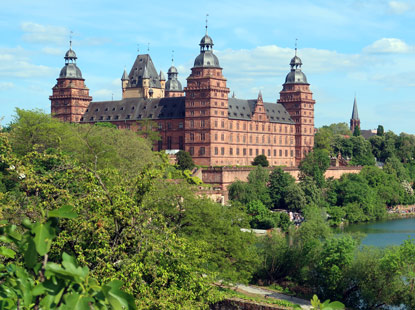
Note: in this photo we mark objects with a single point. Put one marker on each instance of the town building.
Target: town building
(201, 118)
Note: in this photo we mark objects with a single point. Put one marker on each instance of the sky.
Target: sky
(351, 47)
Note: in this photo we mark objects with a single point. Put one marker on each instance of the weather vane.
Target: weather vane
(172, 57)
(296, 40)
(70, 38)
(148, 47)
(207, 15)
(138, 48)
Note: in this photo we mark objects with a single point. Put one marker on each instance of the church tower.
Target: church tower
(298, 101)
(354, 121)
(206, 106)
(173, 85)
(70, 98)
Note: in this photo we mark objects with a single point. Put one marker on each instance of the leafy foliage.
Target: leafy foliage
(260, 160)
(184, 161)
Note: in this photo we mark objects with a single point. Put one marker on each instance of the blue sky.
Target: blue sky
(365, 47)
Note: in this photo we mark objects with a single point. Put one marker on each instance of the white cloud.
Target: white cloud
(13, 63)
(389, 45)
(399, 7)
(6, 85)
(36, 33)
(53, 51)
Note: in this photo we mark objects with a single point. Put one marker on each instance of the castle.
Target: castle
(201, 118)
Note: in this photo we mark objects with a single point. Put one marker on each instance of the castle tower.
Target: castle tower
(354, 121)
(70, 98)
(143, 80)
(124, 81)
(206, 106)
(173, 85)
(298, 101)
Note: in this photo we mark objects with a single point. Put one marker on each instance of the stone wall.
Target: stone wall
(224, 176)
(240, 304)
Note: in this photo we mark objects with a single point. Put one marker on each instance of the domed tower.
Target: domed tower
(173, 85)
(206, 105)
(70, 98)
(298, 101)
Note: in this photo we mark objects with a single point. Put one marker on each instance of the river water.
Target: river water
(385, 233)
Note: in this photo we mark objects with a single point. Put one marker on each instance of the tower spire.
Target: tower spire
(172, 57)
(296, 40)
(207, 15)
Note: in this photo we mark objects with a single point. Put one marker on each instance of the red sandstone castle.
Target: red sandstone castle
(216, 129)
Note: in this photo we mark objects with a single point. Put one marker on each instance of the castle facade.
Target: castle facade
(201, 118)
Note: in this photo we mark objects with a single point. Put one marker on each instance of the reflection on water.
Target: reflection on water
(385, 233)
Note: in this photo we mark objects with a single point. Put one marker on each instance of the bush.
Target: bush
(260, 160)
(184, 161)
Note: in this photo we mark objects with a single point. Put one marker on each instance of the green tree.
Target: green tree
(315, 165)
(29, 280)
(380, 131)
(184, 160)
(356, 131)
(279, 181)
(147, 129)
(260, 160)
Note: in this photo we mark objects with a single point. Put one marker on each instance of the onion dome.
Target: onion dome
(206, 57)
(173, 84)
(296, 76)
(70, 70)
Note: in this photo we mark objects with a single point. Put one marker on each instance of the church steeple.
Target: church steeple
(354, 121)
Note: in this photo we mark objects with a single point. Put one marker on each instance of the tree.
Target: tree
(356, 132)
(261, 216)
(41, 283)
(279, 181)
(380, 131)
(147, 129)
(315, 165)
(184, 160)
(260, 160)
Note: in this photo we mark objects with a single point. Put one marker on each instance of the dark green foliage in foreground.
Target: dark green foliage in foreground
(28, 279)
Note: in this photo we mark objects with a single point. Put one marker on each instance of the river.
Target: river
(385, 233)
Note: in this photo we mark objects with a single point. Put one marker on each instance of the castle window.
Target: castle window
(230, 125)
(216, 123)
(192, 113)
(231, 151)
(191, 150)
(122, 109)
(91, 118)
(139, 116)
(275, 153)
(82, 118)
(202, 136)
(230, 138)
(216, 151)
(256, 140)
(113, 109)
(202, 151)
(101, 118)
(128, 116)
(263, 152)
(168, 125)
(244, 126)
(181, 125)
(222, 137)
(263, 139)
(216, 137)
(237, 125)
(237, 151)
(87, 110)
(192, 123)
(216, 112)
(244, 152)
(96, 110)
(256, 152)
(280, 152)
(108, 118)
(222, 151)
(286, 153)
(192, 137)
(223, 124)
(292, 153)
(250, 152)
(106, 109)
(160, 125)
(222, 113)
(116, 117)
(244, 138)
(202, 123)
(150, 116)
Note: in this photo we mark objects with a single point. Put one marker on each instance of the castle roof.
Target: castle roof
(243, 109)
(135, 109)
(355, 113)
(143, 68)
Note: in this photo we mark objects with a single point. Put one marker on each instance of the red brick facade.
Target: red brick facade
(215, 129)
